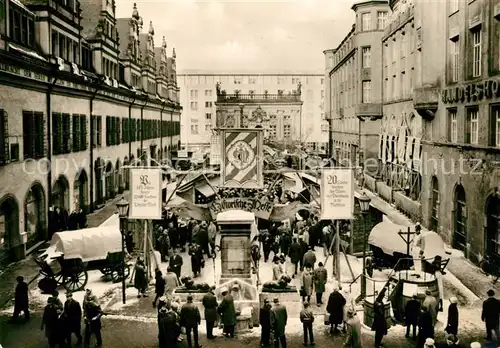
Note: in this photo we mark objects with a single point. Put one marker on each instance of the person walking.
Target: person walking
(265, 323)
(140, 277)
(295, 254)
(93, 326)
(190, 319)
(412, 313)
(171, 282)
(335, 307)
(379, 323)
(307, 320)
(307, 285)
(309, 258)
(452, 324)
(159, 286)
(73, 316)
(212, 233)
(50, 320)
(279, 318)
(209, 302)
(489, 315)
(425, 326)
(432, 305)
(196, 259)
(353, 326)
(320, 277)
(21, 300)
(175, 263)
(227, 312)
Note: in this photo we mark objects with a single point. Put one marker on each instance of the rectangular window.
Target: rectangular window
(454, 5)
(367, 92)
(194, 129)
(295, 80)
(193, 94)
(455, 59)
(208, 116)
(286, 131)
(381, 20)
(238, 80)
(322, 81)
(208, 93)
(494, 128)
(281, 80)
(33, 135)
(367, 57)
(252, 80)
(208, 104)
(194, 106)
(472, 131)
(452, 126)
(208, 127)
(476, 58)
(366, 21)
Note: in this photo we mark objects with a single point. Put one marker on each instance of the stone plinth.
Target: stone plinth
(244, 321)
(197, 299)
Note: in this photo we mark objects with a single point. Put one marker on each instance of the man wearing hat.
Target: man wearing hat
(452, 341)
(210, 304)
(73, 314)
(412, 313)
(491, 311)
(265, 323)
(279, 318)
(353, 338)
(190, 319)
(227, 312)
(452, 325)
(432, 305)
(21, 301)
(429, 343)
(309, 258)
(175, 263)
(417, 248)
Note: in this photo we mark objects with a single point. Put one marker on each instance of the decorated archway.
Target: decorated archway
(60, 193)
(492, 212)
(80, 190)
(35, 214)
(110, 180)
(9, 226)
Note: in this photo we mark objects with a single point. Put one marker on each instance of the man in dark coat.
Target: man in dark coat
(320, 277)
(93, 314)
(175, 263)
(452, 325)
(379, 324)
(267, 244)
(491, 311)
(227, 312)
(265, 323)
(425, 326)
(51, 323)
(309, 258)
(168, 327)
(285, 241)
(335, 308)
(279, 318)
(190, 319)
(159, 286)
(295, 253)
(73, 316)
(210, 304)
(194, 252)
(412, 312)
(21, 301)
(303, 249)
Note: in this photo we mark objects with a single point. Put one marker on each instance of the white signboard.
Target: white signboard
(337, 194)
(145, 192)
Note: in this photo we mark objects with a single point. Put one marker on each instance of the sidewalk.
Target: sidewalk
(28, 267)
(465, 271)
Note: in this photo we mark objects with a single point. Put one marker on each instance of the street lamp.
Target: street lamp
(364, 205)
(241, 105)
(122, 207)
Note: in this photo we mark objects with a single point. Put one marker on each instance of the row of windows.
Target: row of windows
(367, 23)
(251, 80)
(69, 133)
(65, 47)
(475, 66)
(22, 28)
(471, 127)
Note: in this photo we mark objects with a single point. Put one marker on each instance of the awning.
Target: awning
(206, 190)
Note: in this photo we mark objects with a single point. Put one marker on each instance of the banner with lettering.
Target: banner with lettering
(337, 194)
(242, 158)
(401, 145)
(417, 161)
(261, 208)
(145, 193)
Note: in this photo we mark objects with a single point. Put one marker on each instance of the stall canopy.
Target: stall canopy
(385, 236)
(286, 211)
(88, 244)
(206, 189)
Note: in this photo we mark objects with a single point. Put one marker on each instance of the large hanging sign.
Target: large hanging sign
(242, 158)
(337, 194)
(261, 208)
(146, 193)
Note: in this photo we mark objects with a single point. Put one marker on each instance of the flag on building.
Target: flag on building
(242, 158)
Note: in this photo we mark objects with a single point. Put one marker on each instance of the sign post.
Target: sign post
(337, 202)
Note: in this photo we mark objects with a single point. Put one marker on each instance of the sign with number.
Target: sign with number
(337, 194)
(145, 192)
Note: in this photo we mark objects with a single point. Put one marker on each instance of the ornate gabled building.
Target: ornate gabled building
(78, 103)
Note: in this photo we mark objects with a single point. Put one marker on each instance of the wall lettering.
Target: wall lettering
(473, 92)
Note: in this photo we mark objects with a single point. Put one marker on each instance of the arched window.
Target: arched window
(434, 218)
(460, 218)
(34, 215)
(493, 227)
(60, 193)
(9, 226)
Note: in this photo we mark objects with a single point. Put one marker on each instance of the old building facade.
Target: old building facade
(198, 93)
(80, 97)
(354, 100)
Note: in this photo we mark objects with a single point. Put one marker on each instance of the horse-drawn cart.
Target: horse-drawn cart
(72, 254)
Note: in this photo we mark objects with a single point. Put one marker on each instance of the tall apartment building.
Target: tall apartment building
(354, 100)
(80, 97)
(199, 94)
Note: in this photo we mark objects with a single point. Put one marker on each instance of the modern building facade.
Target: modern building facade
(354, 100)
(80, 97)
(199, 93)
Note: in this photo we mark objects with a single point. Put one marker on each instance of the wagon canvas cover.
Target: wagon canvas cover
(89, 244)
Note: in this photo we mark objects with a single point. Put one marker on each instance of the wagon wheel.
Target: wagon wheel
(76, 281)
(106, 271)
(117, 273)
(59, 278)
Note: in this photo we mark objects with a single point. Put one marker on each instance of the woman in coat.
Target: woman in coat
(452, 325)
(227, 312)
(307, 284)
(159, 286)
(335, 308)
(379, 323)
(425, 326)
(140, 278)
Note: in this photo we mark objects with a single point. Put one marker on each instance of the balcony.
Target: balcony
(426, 101)
(368, 111)
(259, 98)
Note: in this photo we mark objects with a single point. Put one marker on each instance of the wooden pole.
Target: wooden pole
(337, 251)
